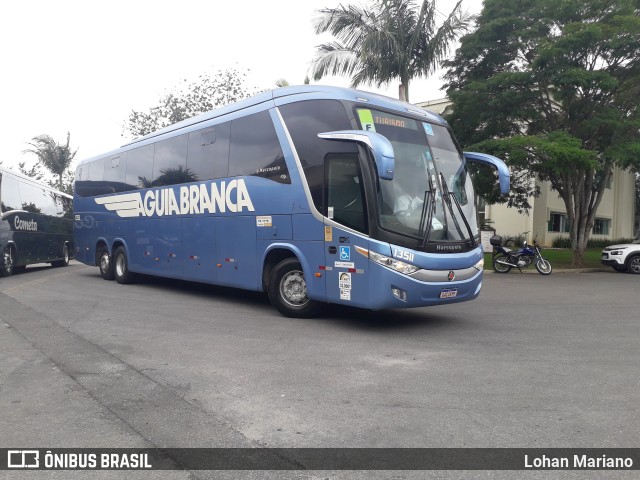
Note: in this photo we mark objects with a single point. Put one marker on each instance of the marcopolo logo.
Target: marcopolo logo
(30, 225)
(231, 196)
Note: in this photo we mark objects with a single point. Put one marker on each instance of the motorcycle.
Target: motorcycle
(504, 259)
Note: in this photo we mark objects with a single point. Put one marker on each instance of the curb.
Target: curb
(559, 270)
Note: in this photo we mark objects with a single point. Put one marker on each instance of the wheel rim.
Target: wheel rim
(104, 262)
(120, 265)
(499, 267)
(293, 289)
(634, 265)
(544, 265)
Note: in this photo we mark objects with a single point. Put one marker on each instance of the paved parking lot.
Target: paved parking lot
(534, 362)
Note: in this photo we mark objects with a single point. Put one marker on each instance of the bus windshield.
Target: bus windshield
(431, 196)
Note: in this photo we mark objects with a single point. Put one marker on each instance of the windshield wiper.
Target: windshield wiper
(426, 216)
(447, 196)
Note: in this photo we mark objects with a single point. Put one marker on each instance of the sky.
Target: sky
(83, 66)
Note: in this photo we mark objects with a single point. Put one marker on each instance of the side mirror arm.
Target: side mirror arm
(379, 145)
(503, 171)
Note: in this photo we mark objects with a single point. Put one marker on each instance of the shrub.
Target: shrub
(564, 242)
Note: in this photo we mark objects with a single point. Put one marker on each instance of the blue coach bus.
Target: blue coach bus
(312, 194)
(36, 224)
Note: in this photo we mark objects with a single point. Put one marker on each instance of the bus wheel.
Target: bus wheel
(7, 262)
(121, 266)
(105, 264)
(65, 258)
(288, 290)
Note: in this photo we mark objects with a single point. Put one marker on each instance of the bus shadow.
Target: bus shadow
(341, 316)
(385, 320)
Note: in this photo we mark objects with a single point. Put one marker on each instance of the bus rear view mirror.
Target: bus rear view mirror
(503, 171)
(379, 145)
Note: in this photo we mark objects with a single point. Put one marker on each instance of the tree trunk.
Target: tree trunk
(403, 92)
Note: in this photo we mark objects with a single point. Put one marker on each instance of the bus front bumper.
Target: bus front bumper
(391, 289)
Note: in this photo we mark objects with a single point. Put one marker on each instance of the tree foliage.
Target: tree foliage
(54, 157)
(189, 99)
(553, 88)
(393, 39)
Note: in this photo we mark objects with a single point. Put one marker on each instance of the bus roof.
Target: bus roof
(305, 92)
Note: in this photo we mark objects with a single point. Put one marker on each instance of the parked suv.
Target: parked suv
(624, 257)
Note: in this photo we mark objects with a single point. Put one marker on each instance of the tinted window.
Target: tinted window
(345, 192)
(37, 199)
(9, 194)
(255, 149)
(90, 179)
(208, 156)
(170, 162)
(115, 169)
(305, 120)
(140, 167)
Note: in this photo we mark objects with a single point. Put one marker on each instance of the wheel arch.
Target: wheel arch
(631, 258)
(16, 253)
(274, 255)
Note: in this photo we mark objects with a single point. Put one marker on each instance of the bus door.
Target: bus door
(347, 279)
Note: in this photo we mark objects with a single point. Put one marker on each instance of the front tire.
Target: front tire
(121, 266)
(288, 290)
(500, 267)
(543, 266)
(633, 264)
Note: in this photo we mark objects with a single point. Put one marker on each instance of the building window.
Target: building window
(601, 226)
(558, 222)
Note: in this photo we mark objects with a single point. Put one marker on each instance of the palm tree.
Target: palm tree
(54, 157)
(393, 40)
(282, 82)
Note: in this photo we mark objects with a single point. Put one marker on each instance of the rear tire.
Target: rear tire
(121, 266)
(500, 267)
(105, 264)
(633, 264)
(288, 290)
(65, 258)
(8, 257)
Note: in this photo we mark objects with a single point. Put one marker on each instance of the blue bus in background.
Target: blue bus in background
(312, 194)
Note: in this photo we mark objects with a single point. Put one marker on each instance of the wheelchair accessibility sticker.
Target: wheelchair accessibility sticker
(345, 253)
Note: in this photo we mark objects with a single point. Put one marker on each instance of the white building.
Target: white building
(547, 219)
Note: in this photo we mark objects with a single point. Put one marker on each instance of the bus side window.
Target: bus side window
(10, 194)
(36, 199)
(208, 154)
(170, 162)
(115, 169)
(255, 149)
(345, 191)
(140, 167)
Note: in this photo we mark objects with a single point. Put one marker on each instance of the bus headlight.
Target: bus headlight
(392, 263)
(480, 265)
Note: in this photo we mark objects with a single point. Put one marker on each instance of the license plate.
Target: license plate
(448, 292)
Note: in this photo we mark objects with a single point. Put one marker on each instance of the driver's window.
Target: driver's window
(345, 201)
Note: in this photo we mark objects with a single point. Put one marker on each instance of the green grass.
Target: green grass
(561, 258)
